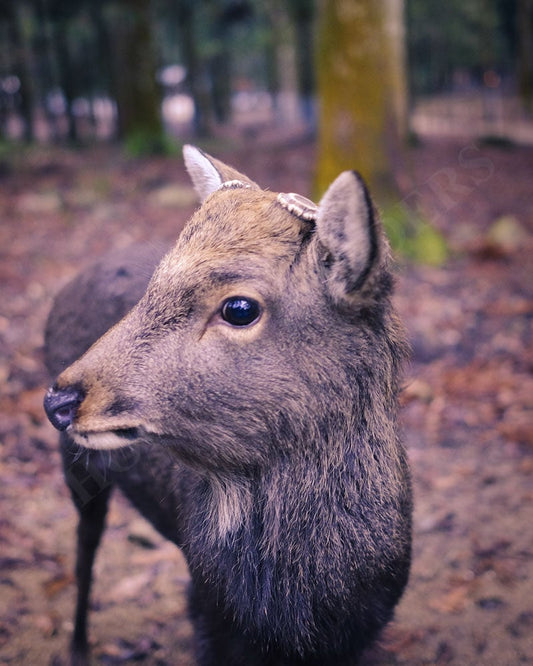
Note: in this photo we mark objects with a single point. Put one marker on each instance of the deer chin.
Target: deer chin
(106, 440)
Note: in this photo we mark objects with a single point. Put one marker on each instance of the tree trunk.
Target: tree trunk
(363, 115)
(196, 78)
(525, 52)
(66, 75)
(362, 91)
(272, 75)
(22, 63)
(220, 75)
(137, 93)
(103, 44)
(302, 14)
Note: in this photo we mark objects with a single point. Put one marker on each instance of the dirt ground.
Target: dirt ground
(468, 405)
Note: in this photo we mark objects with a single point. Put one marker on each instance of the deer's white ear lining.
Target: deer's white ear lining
(298, 205)
(202, 171)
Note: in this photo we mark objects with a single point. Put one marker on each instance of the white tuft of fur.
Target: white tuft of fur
(230, 502)
(100, 440)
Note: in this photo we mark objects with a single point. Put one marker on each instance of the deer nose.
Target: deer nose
(61, 406)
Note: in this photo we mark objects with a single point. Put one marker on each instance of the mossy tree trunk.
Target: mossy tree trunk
(363, 124)
(362, 90)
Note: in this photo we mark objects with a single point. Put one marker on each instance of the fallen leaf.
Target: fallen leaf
(453, 601)
(129, 587)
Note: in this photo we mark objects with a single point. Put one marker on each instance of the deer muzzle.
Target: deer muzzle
(61, 406)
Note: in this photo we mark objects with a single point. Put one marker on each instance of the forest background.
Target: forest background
(85, 69)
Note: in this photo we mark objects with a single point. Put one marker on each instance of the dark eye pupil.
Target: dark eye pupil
(240, 311)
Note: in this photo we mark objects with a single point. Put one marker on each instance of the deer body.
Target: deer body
(247, 406)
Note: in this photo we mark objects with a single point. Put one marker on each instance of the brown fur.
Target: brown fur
(288, 489)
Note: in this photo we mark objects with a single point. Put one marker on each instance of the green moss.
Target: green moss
(142, 143)
(413, 237)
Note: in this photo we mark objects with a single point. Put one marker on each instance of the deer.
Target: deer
(241, 390)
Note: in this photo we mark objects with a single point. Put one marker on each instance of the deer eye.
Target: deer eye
(240, 311)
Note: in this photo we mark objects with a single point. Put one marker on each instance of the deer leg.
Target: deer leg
(90, 529)
(90, 488)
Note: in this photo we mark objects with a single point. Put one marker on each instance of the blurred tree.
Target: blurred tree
(18, 55)
(302, 14)
(181, 28)
(362, 90)
(224, 17)
(103, 53)
(134, 59)
(363, 111)
(524, 24)
(60, 12)
(271, 45)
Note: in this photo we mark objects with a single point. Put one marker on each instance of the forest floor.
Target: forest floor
(467, 417)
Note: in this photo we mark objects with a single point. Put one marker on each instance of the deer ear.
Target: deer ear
(209, 174)
(350, 235)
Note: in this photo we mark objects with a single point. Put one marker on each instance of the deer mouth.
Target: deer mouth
(106, 439)
(127, 433)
